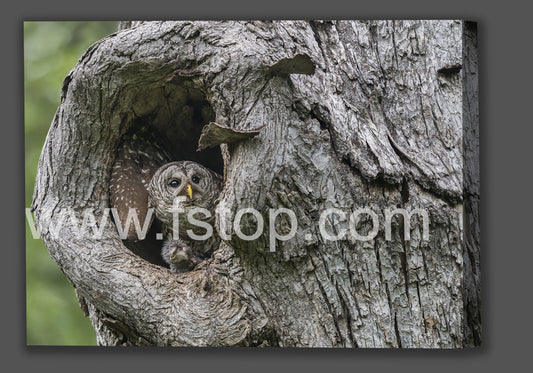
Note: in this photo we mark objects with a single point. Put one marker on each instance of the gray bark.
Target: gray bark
(334, 115)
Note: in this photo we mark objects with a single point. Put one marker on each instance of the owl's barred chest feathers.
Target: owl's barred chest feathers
(179, 189)
(143, 177)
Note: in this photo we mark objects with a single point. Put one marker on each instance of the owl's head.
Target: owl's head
(197, 184)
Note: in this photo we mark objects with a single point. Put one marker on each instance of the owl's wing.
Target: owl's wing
(138, 157)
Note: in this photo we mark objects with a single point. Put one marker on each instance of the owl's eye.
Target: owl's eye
(174, 183)
(195, 179)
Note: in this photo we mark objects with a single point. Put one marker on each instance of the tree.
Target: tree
(309, 116)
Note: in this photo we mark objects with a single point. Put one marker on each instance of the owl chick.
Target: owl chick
(179, 256)
(198, 187)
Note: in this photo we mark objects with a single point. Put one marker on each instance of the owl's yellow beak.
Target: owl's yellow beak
(189, 190)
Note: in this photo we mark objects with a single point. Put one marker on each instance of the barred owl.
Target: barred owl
(142, 177)
(197, 186)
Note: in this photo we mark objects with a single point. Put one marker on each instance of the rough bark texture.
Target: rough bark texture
(471, 193)
(352, 115)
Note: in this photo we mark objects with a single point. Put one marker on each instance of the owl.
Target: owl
(142, 177)
(175, 190)
(138, 157)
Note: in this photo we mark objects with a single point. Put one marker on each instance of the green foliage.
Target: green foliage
(51, 49)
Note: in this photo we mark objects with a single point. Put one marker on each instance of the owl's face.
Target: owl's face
(198, 186)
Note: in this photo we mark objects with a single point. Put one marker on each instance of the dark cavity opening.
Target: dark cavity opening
(173, 117)
(179, 116)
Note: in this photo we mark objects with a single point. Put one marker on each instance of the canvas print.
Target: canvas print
(265, 183)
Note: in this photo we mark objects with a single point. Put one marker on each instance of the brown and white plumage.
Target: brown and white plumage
(179, 256)
(199, 187)
(142, 177)
(138, 157)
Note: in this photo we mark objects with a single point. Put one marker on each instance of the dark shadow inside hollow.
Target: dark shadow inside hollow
(180, 118)
(174, 116)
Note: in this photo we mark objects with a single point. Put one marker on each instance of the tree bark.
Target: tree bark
(347, 115)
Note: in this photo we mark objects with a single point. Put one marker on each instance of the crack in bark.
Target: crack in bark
(347, 315)
(330, 306)
(403, 257)
(418, 294)
(397, 331)
(376, 250)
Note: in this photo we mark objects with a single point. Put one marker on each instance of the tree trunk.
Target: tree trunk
(312, 116)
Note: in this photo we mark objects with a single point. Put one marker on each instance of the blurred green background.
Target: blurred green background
(51, 49)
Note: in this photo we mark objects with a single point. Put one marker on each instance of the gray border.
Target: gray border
(503, 33)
